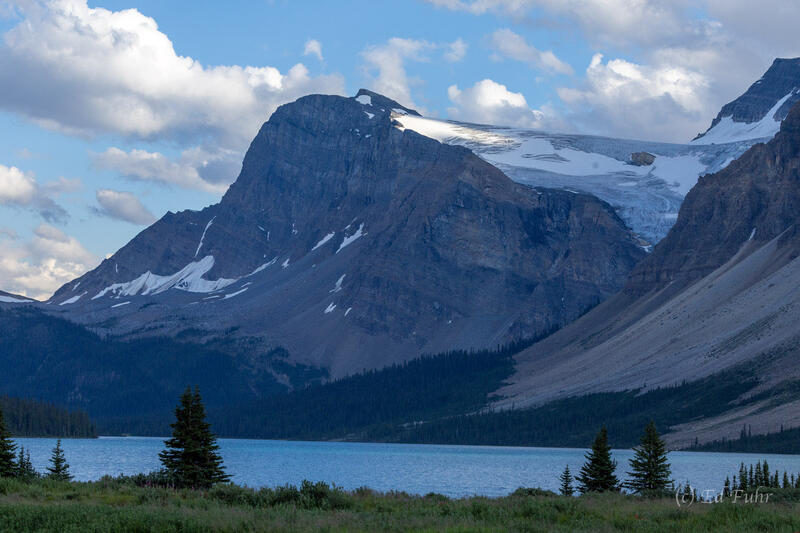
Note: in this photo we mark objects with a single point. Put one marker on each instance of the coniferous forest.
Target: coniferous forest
(31, 418)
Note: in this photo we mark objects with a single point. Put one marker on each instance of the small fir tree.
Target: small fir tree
(7, 450)
(58, 469)
(25, 469)
(726, 489)
(191, 457)
(597, 474)
(650, 468)
(566, 482)
(786, 480)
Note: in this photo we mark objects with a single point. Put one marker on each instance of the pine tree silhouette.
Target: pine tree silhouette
(650, 468)
(566, 482)
(7, 450)
(191, 457)
(597, 474)
(58, 469)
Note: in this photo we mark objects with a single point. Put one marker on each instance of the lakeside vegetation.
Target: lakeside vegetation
(783, 441)
(191, 493)
(122, 505)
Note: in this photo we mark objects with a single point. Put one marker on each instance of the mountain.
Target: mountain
(354, 243)
(9, 298)
(718, 294)
(759, 111)
(646, 182)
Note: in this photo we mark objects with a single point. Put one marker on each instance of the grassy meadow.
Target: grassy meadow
(125, 504)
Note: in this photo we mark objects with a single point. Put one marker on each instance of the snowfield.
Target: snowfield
(646, 197)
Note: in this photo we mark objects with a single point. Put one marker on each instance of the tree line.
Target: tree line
(32, 418)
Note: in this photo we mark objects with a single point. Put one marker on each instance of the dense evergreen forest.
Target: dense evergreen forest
(30, 418)
(421, 389)
(783, 441)
(425, 401)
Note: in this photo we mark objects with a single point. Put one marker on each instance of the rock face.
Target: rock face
(642, 159)
(721, 290)
(768, 100)
(355, 244)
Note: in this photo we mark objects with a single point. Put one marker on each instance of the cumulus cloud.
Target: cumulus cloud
(313, 48)
(87, 70)
(385, 65)
(123, 206)
(691, 57)
(455, 51)
(196, 168)
(489, 102)
(624, 98)
(38, 267)
(508, 44)
(20, 189)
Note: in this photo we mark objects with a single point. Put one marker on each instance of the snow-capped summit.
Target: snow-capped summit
(757, 114)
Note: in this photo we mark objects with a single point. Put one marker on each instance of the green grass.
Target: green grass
(120, 505)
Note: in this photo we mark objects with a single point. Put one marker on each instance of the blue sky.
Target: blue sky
(114, 112)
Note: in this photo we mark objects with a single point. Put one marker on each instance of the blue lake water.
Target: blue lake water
(413, 468)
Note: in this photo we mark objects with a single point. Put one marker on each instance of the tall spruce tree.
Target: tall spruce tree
(191, 457)
(7, 450)
(650, 470)
(566, 478)
(597, 474)
(58, 469)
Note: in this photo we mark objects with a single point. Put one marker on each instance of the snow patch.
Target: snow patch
(237, 293)
(189, 279)
(203, 236)
(285, 264)
(73, 299)
(349, 240)
(325, 239)
(369, 115)
(262, 267)
(120, 304)
(727, 131)
(330, 308)
(752, 235)
(338, 286)
(364, 99)
(348, 311)
(12, 300)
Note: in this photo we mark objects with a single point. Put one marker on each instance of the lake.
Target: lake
(413, 468)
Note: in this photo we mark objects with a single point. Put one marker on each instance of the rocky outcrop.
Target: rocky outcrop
(355, 244)
(642, 159)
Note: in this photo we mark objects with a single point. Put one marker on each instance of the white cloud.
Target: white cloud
(506, 43)
(624, 98)
(197, 168)
(313, 48)
(489, 102)
(455, 51)
(88, 71)
(123, 206)
(20, 189)
(690, 58)
(386, 67)
(38, 267)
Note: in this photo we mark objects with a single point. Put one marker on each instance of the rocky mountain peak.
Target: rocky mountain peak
(758, 112)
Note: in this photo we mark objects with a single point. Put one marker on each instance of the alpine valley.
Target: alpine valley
(371, 267)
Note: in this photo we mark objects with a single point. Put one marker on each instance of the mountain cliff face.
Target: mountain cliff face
(759, 111)
(721, 291)
(354, 244)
